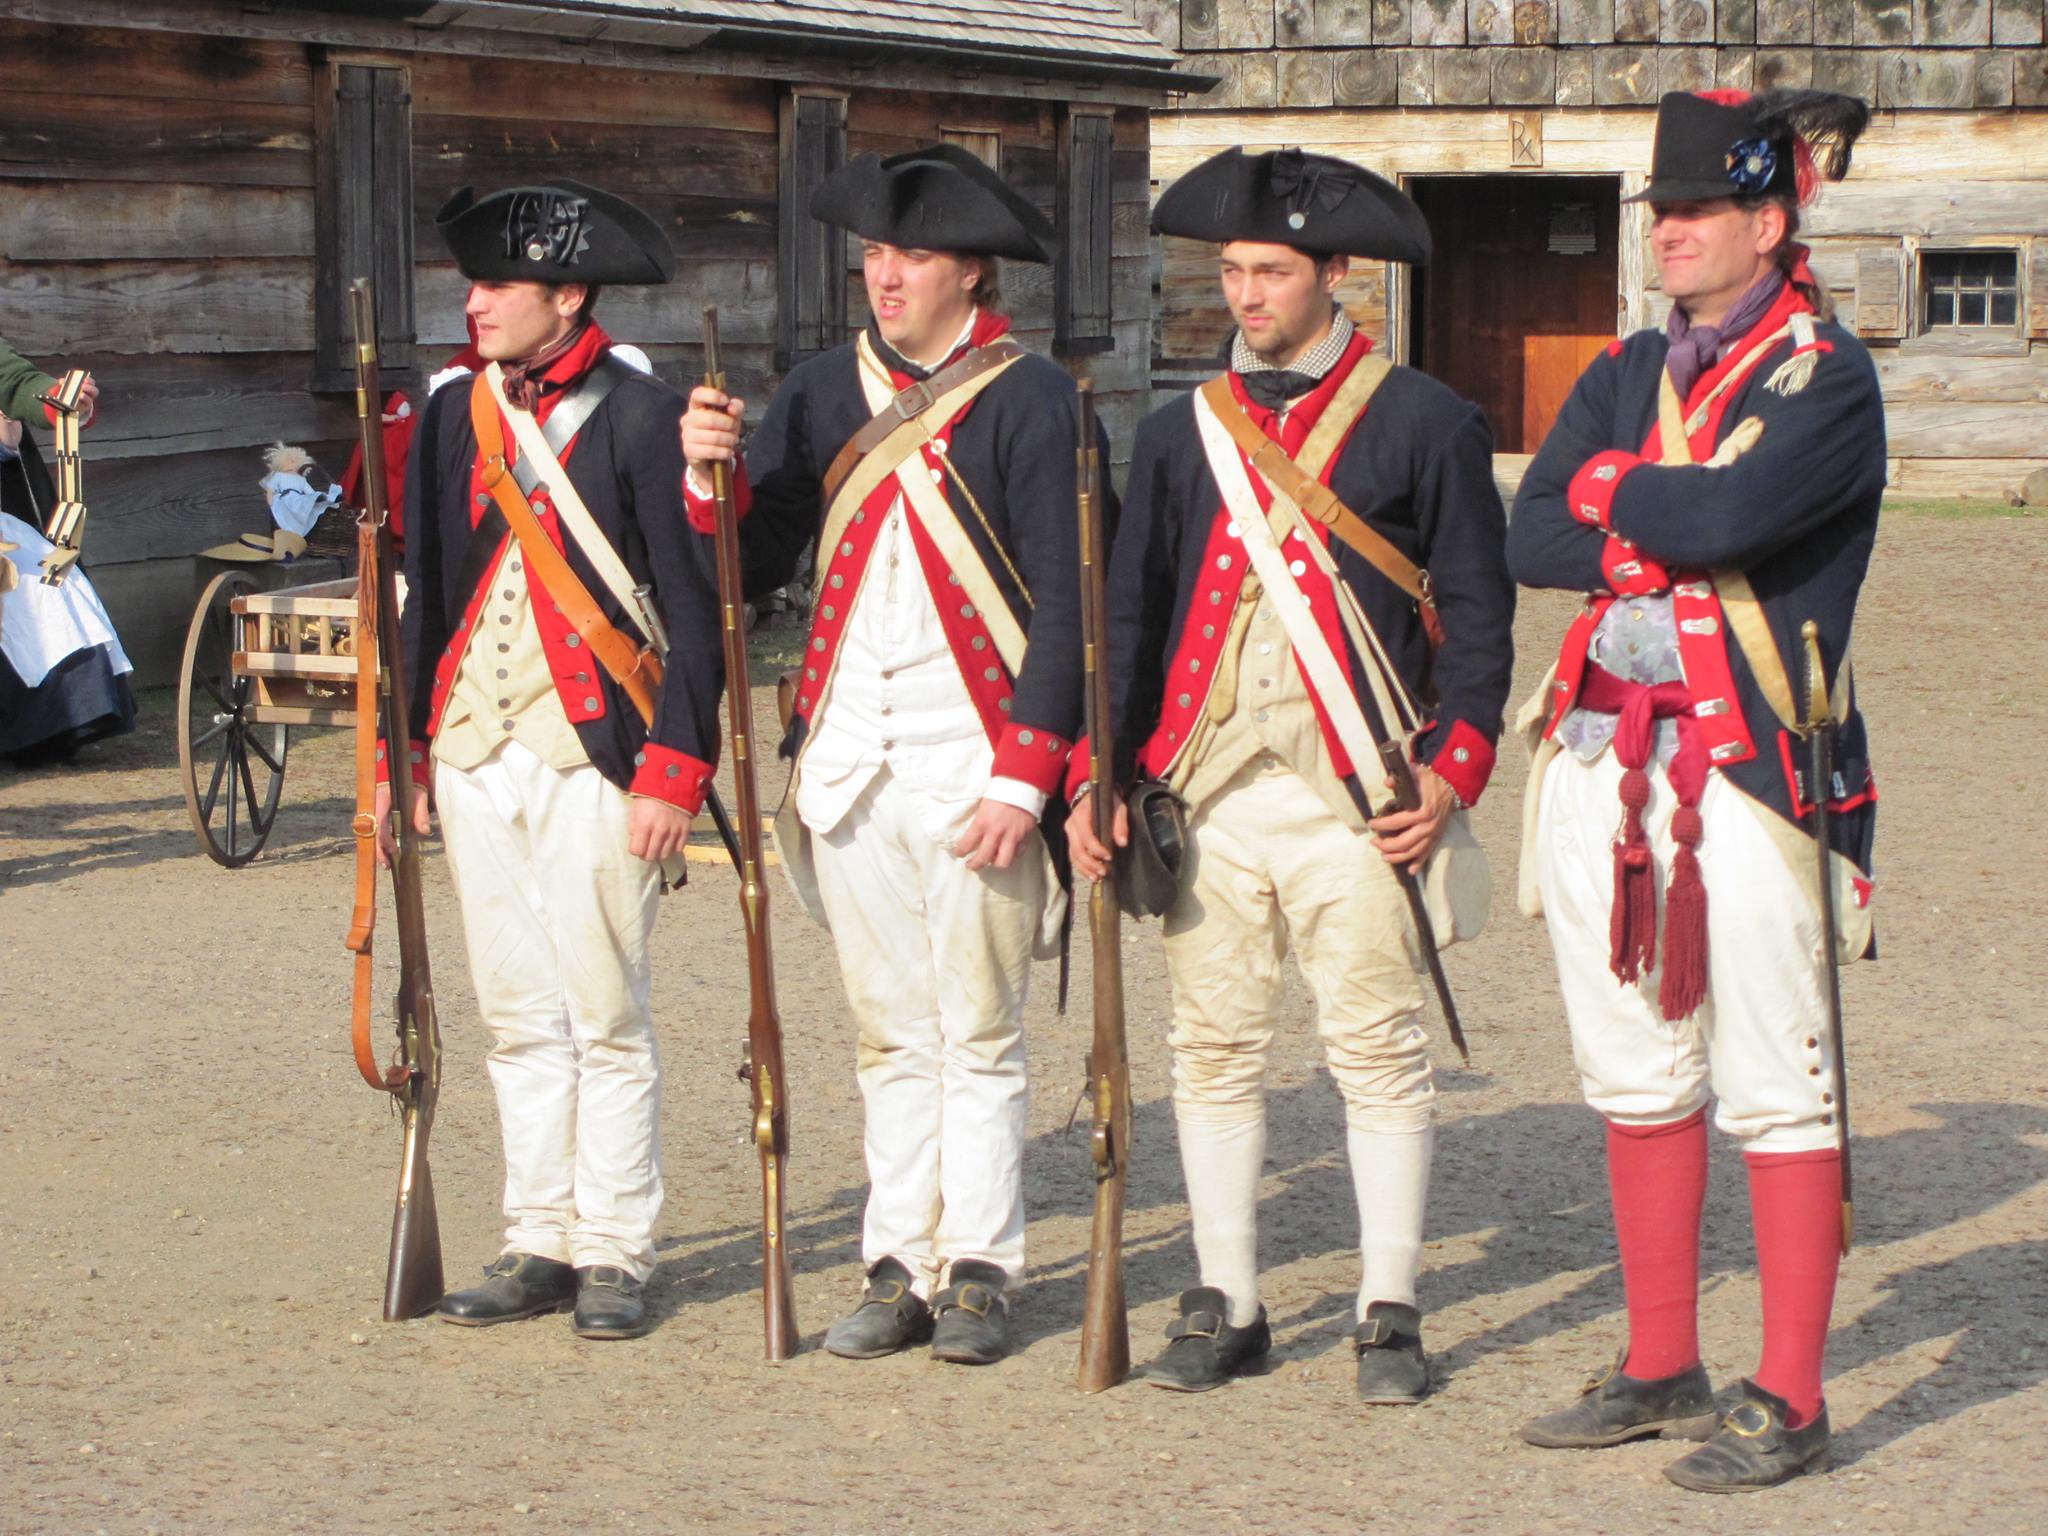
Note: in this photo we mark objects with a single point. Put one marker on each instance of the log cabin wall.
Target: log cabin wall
(158, 226)
(1955, 162)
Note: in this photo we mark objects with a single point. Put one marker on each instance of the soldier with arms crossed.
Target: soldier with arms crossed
(1212, 694)
(933, 713)
(556, 801)
(1712, 487)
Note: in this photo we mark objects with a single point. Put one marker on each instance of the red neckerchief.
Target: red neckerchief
(987, 327)
(1305, 412)
(553, 371)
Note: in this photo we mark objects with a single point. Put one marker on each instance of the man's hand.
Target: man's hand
(387, 837)
(1407, 838)
(88, 400)
(994, 836)
(1084, 847)
(711, 430)
(657, 830)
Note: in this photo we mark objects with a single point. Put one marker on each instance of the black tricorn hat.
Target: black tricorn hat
(559, 232)
(1777, 144)
(1316, 203)
(940, 198)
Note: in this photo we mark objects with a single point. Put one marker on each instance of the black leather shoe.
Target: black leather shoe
(1206, 1350)
(1753, 1449)
(1613, 1408)
(1392, 1368)
(971, 1321)
(515, 1285)
(609, 1304)
(890, 1317)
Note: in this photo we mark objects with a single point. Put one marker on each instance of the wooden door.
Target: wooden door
(1523, 292)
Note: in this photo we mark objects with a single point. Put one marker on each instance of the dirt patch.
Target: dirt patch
(197, 1193)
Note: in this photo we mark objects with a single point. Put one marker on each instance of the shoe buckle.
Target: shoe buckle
(1198, 1325)
(1600, 1378)
(1750, 1420)
(1373, 1332)
(970, 1297)
(886, 1293)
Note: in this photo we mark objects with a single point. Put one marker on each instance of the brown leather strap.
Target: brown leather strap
(363, 920)
(635, 668)
(911, 403)
(1317, 499)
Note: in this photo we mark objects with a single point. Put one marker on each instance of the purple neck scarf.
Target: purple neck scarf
(1696, 348)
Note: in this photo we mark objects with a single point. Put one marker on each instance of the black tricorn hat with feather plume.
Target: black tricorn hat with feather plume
(1780, 143)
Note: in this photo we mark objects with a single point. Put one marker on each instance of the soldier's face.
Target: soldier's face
(515, 320)
(1280, 297)
(1709, 254)
(920, 299)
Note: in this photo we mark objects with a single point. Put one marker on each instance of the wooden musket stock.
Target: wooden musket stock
(1105, 1329)
(413, 1280)
(762, 1068)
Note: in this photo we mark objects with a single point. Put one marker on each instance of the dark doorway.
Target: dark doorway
(1522, 293)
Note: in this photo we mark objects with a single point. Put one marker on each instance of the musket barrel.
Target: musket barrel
(1105, 1327)
(413, 1278)
(763, 1069)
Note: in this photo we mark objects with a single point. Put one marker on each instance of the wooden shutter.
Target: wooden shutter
(2036, 288)
(1081, 280)
(1883, 304)
(811, 273)
(363, 217)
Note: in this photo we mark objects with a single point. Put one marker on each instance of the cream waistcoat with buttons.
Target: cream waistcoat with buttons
(1267, 710)
(503, 689)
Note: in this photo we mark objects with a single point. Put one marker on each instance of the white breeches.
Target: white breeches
(1759, 1043)
(558, 916)
(936, 959)
(1271, 868)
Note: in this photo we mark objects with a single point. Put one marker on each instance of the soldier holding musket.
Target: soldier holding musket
(1262, 661)
(933, 461)
(564, 764)
(1712, 487)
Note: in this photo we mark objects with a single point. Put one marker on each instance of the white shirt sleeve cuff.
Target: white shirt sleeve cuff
(1016, 792)
(693, 485)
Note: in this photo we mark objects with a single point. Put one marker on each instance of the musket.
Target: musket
(1393, 752)
(1105, 1328)
(762, 1067)
(66, 526)
(413, 1281)
(1818, 726)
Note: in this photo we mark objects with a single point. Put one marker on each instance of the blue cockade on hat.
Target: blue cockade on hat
(1751, 164)
(544, 226)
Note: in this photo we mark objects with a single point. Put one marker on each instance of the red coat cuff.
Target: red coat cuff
(1591, 496)
(1032, 756)
(661, 773)
(422, 769)
(1629, 571)
(1077, 770)
(1464, 760)
(703, 510)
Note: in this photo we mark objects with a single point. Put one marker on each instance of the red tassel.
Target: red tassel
(1684, 984)
(1632, 923)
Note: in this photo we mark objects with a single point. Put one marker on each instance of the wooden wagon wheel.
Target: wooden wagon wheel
(233, 764)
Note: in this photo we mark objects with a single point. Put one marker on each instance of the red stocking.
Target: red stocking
(1795, 1202)
(1658, 1177)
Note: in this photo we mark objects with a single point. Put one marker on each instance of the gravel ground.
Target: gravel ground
(197, 1192)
